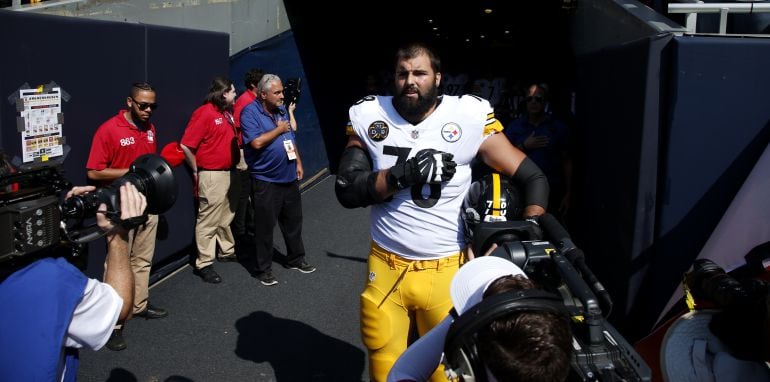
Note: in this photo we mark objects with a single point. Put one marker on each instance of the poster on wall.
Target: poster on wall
(42, 135)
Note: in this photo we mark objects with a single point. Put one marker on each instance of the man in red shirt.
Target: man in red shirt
(243, 222)
(211, 149)
(116, 144)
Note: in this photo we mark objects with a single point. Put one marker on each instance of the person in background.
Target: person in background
(243, 222)
(545, 139)
(409, 157)
(211, 149)
(116, 144)
(276, 169)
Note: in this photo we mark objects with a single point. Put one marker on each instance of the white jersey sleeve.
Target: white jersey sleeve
(423, 222)
(94, 316)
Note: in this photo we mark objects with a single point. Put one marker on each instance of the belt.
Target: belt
(213, 169)
(396, 261)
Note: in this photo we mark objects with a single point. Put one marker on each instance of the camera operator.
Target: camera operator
(521, 346)
(50, 309)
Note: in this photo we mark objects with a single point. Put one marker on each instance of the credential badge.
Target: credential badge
(378, 131)
(451, 132)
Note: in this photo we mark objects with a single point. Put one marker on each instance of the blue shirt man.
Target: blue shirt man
(274, 162)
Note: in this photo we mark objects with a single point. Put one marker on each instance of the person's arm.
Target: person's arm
(118, 272)
(358, 186)
(420, 359)
(106, 174)
(267, 138)
(498, 153)
(292, 120)
(189, 158)
(257, 137)
(300, 169)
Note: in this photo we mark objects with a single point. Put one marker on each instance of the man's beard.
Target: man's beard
(414, 109)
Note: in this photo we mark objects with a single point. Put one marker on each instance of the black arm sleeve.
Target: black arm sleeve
(535, 183)
(355, 180)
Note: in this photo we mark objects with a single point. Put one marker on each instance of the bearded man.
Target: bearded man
(409, 157)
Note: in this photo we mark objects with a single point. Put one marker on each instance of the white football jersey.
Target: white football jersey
(423, 222)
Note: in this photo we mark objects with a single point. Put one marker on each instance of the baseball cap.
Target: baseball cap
(173, 154)
(473, 278)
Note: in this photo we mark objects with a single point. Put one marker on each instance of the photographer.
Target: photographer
(521, 346)
(50, 309)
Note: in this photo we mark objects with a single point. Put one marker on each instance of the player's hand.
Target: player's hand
(428, 166)
(292, 107)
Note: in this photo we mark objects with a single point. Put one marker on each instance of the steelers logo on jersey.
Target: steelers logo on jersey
(451, 132)
(378, 131)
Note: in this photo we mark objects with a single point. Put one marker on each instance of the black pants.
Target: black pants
(243, 222)
(281, 203)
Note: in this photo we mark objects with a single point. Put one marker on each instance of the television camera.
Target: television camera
(742, 315)
(600, 353)
(33, 222)
(292, 90)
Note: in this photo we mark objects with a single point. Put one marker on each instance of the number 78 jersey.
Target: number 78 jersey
(422, 222)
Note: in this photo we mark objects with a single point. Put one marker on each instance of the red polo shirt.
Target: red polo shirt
(117, 143)
(211, 134)
(244, 99)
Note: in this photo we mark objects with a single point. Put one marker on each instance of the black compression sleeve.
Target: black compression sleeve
(355, 180)
(535, 183)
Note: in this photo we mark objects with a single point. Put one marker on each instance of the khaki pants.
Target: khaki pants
(216, 209)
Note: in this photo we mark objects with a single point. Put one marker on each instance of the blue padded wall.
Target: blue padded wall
(95, 62)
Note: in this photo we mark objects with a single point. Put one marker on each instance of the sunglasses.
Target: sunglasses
(144, 105)
(537, 99)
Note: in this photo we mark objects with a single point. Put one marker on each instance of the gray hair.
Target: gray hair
(266, 81)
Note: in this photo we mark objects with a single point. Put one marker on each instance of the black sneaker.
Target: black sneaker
(209, 275)
(227, 259)
(303, 267)
(267, 279)
(116, 341)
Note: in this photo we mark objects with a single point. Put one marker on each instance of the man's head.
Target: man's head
(417, 79)
(537, 97)
(141, 102)
(525, 346)
(270, 92)
(507, 327)
(251, 79)
(221, 93)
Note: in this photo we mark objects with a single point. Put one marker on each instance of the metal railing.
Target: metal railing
(694, 8)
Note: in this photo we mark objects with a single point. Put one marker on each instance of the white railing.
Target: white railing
(694, 8)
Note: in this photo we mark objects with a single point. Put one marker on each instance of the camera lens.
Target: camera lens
(708, 281)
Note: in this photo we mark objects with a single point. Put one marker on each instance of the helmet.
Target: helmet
(492, 198)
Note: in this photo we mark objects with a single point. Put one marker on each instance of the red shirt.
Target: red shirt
(117, 143)
(244, 99)
(211, 134)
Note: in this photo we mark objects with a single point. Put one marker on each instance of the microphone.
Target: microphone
(575, 255)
